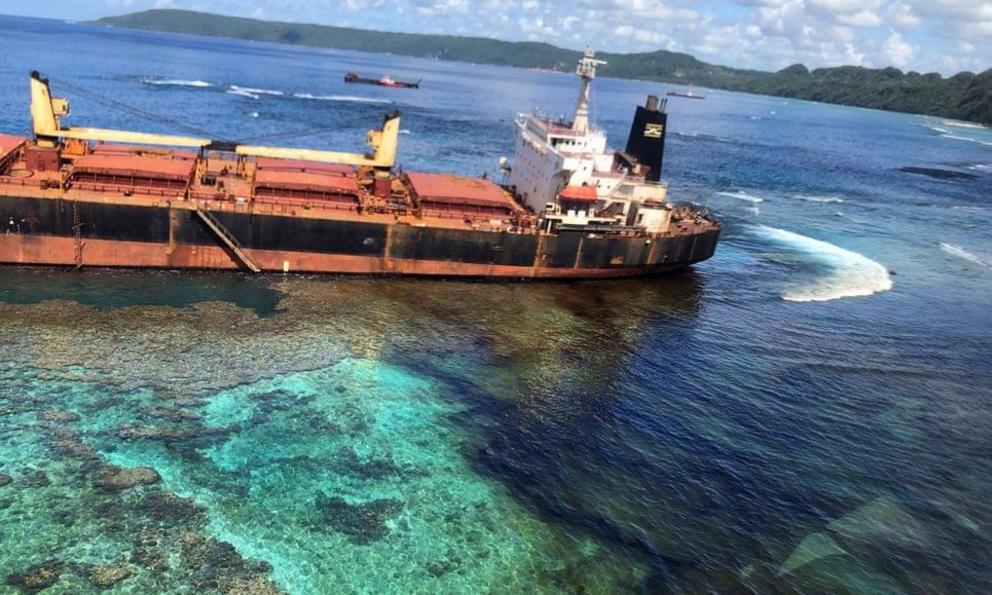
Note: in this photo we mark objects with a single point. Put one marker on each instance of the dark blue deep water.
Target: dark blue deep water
(810, 410)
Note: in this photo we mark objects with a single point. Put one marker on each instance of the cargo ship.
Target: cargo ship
(568, 208)
(383, 81)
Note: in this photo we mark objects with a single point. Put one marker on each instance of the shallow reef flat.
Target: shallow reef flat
(210, 448)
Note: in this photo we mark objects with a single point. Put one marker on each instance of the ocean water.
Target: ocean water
(809, 411)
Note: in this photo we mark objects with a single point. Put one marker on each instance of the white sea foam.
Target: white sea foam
(981, 167)
(177, 83)
(982, 259)
(851, 274)
(703, 136)
(969, 139)
(741, 195)
(818, 198)
(253, 114)
(945, 133)
(404, 131)
(243, 93)
(252, 90)
(963, 124)
(352, 98)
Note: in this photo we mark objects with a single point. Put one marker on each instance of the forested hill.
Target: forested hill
(964, 96)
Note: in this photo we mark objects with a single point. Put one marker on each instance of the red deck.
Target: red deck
(9, 142)
(134, 166)
(447, 192)
(297, 165)
(306, 181)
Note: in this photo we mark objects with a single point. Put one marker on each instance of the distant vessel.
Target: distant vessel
(72, 196)
(384, 81)
(688, 95)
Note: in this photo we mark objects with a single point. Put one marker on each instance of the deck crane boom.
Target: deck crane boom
(47, 113)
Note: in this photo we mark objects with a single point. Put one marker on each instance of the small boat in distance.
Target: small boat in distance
(385, 81)
(688, 95)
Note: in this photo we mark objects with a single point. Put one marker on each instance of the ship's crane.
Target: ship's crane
(47, 113)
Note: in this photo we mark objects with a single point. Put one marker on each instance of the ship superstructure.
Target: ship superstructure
(76, 196)
(563, 170)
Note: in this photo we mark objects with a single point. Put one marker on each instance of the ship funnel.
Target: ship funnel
(646, 141)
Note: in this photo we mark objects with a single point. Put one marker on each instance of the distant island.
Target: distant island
(964, 96)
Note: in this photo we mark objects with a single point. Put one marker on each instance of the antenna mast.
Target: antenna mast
(586, 69)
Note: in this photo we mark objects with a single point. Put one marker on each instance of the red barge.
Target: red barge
(84, 197)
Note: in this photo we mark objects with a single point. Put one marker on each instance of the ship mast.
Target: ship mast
(586, 69)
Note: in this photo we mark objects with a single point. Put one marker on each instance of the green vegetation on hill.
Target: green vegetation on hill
(964, 96)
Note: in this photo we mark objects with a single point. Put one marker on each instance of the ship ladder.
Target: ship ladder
(77, 233)
(227, 239)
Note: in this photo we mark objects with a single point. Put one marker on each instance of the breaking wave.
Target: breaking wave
(254, 91)
(352, 98)
(258, 92)
(984, 260)
(963, 124)
(945, 133)
(969, 139)
(177, 83)
(243, 93)
(741, 195)
(817, 198)
(851, 274)
(704, 136)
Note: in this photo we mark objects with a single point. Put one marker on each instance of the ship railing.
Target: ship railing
(272, 205)
(164, 192)
(296, 203)
(13, 181)
(212, 196)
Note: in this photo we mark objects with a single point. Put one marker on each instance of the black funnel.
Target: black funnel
(646, 142)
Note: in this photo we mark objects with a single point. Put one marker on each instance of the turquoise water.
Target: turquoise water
(349, 475)
(809, 411)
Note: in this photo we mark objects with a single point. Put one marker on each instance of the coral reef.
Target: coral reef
(37, 577)
(364, 522)
(114, 479)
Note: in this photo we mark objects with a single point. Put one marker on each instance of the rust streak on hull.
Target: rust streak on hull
(58, 251)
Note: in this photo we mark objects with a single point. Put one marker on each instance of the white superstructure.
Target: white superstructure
(564, 172)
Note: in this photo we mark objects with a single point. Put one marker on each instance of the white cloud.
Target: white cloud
(898, 50)
(902, 15)
(864, 18)
(922, 35)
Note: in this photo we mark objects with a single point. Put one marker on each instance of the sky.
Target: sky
(945, 36)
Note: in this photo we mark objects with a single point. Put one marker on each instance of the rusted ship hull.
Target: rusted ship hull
(92, 197)
(36, 231)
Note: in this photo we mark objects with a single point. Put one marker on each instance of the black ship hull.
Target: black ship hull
(43, 231)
